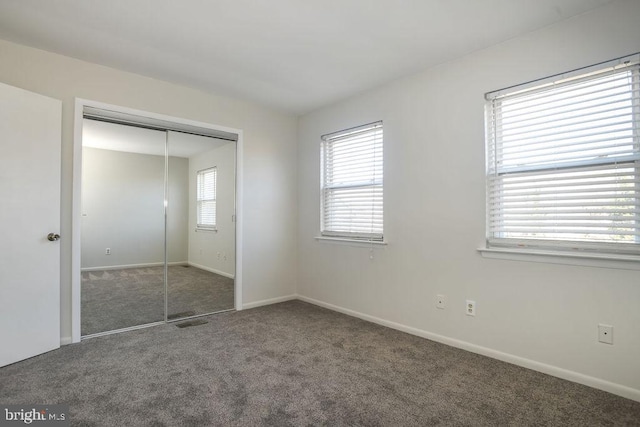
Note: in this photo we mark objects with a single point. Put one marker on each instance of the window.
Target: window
(563, 162)
(352, 183)
(206, 199)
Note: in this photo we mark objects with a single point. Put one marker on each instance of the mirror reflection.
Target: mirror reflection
(205, 282)
(158, 232)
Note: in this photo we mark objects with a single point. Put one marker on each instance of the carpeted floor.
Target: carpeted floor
(116, 299)
(297, 364)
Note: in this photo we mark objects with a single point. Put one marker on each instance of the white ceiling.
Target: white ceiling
(295, 55)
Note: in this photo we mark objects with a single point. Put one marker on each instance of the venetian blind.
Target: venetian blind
(352, 190)
(206, 198)
(564, 162)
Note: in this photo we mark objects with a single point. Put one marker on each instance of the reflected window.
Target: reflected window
(206, 199)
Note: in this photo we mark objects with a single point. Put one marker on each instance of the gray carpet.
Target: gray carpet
(116, 299)
(297, 364)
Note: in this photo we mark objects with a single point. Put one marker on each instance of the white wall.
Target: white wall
(178, 210)
(214, 250)
(537, 314)
(123, 208)
(269, 157)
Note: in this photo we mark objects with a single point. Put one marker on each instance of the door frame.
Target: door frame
(80, 105)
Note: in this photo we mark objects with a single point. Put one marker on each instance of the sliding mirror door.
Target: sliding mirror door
(157, 222)
(123, 226)
(200, 225)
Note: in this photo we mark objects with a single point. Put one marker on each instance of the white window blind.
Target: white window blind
(206, 199)
(563, 162)
(352, 202)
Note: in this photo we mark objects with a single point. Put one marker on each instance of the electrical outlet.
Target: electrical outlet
(441, 301)
(605, 334)
(107, 251)
(470, 308)
(218, 255)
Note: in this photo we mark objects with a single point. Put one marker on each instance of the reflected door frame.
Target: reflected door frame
(80, 105)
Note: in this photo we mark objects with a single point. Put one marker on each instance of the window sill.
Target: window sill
(207, 230)
(624, 262)
(352, 242)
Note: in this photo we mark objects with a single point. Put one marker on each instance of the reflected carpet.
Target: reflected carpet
(116, 299)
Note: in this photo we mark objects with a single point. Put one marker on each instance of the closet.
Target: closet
(157, 221)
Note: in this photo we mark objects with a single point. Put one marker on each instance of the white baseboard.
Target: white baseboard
(269, 301)
(65, 340)
(158, 264)
(618, 389)
(211, 270)
(125, 266)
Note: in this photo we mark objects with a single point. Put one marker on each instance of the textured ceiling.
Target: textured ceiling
(294, 55)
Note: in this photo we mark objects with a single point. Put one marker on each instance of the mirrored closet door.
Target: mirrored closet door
(200, 225)
(158, 230)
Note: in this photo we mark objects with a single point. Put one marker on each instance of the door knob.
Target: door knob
(52, 237)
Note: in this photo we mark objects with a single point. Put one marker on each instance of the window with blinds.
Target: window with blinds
(563, 162)
(206, 199)
(352, 183)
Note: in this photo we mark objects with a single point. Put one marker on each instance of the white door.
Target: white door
(30, 132)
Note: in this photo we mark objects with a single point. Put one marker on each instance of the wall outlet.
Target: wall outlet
(605, 334)
(218, 255)
(470, 308)
(107, 251)
(441, 301)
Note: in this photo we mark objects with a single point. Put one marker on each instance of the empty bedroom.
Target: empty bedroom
(358, 213)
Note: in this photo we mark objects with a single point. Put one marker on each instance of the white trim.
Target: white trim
(211, 270)
(76, 215)
(126, 266)
(66, 340)
(76, 221)
(623, 262)
(618, 389)
(351, 242)
(148, 114)
(116, 331)
(270, 301)
(239, 219)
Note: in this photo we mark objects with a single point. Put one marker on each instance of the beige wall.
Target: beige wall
(269, 157)
(541, 315)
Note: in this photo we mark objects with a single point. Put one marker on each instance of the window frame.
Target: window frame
(201, 199)
(549, 246)
(376, 234)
